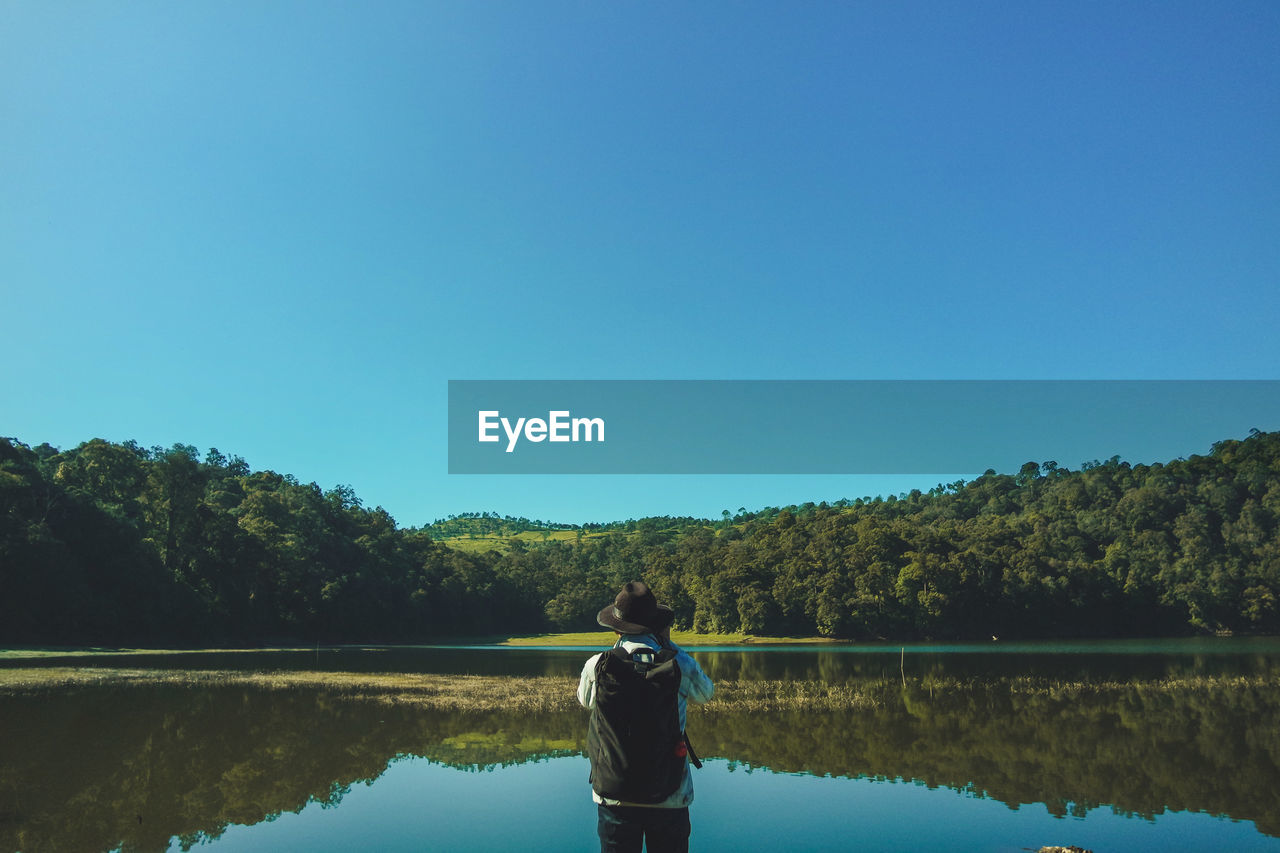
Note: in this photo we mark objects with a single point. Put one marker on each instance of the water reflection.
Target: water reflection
(132, 767)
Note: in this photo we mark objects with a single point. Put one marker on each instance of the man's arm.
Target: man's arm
(694, 683)
(587, 683)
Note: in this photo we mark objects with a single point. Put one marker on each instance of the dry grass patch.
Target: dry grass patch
(444, 692)
(478, 693)
(1170, 684)
(797, 695)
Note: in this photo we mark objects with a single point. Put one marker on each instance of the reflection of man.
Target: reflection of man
(637, 691)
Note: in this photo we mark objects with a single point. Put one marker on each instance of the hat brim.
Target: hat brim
(662, 618)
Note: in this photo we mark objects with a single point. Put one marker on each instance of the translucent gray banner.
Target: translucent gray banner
(840, 427)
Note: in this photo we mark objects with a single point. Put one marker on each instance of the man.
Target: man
(659, 821)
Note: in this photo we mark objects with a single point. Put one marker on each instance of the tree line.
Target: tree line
(115, 543)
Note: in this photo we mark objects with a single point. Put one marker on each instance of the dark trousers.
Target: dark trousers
(624, 829)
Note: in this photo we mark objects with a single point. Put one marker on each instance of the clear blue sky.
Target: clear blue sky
(280, 228)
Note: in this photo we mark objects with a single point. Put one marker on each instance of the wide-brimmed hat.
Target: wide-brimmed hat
(636, 611)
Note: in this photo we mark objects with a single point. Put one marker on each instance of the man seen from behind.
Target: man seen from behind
(637, 692)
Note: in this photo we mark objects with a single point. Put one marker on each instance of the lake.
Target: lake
(1179, 749)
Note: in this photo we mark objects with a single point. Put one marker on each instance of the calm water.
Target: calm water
(418, 806)
(169, 768)
(1075, 660)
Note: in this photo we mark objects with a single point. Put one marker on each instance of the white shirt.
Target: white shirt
(694, 685)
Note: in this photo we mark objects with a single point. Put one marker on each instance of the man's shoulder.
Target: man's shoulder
(590, 665)
(631, 642)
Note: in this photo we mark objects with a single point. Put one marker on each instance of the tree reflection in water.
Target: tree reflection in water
(133, 766)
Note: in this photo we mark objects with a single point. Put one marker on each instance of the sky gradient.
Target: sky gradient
(279, 228)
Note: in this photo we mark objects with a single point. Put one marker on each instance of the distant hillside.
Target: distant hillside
(487, 531)
(487, 525)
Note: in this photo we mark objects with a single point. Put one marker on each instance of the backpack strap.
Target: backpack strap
(657, 658)
(693, 756)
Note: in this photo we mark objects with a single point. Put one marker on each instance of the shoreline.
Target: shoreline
(603, 639)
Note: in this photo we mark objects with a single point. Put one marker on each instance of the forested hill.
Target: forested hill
(113, 543)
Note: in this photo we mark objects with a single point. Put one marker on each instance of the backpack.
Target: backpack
(634, 740)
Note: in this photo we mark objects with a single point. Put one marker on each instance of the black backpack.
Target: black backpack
(634, 740)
